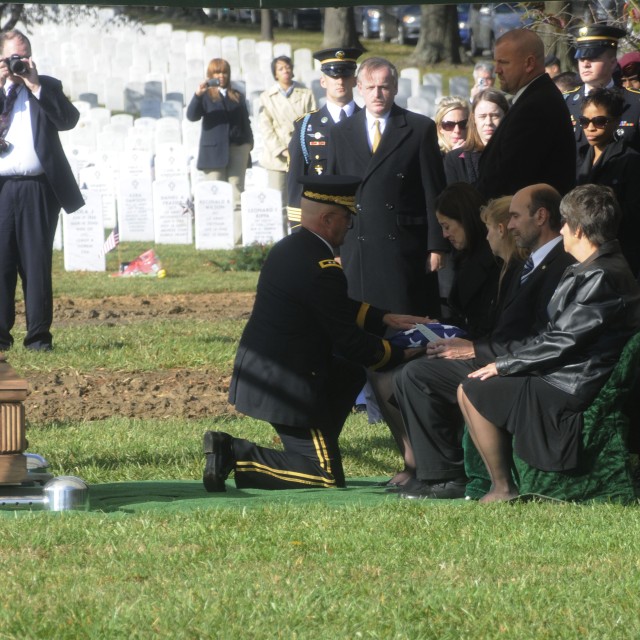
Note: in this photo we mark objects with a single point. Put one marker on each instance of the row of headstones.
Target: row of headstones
(170, 220)
(145, 88)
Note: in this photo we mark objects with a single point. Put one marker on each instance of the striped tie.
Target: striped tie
(526, 270)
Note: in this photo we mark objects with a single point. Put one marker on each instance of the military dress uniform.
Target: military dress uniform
(308, 151)
(300, 363)
(309, 145)
(590, 42)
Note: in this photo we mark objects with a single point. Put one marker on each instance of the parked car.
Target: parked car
(377, 21)
(487, 22)
(410, 20)
(463, 24)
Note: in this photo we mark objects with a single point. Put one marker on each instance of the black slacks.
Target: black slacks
(28, 219)
(311, 456)
(425, 390)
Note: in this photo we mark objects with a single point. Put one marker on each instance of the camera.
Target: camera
(213, 82)
(17, 65)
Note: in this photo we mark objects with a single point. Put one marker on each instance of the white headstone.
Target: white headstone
(84, 236)
(256, 178)
(171, 162)
(214, 220)
(261, 216)
(459, 86)
(433, 80)
(413, 73)
(101, 180)
(135, 198)
(171, 216)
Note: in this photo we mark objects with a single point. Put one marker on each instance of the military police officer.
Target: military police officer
(596, 47)
(309, 144)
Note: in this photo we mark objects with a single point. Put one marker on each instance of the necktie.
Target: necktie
(342, 116)
(376, 136)
(526, 270)
(5, 117)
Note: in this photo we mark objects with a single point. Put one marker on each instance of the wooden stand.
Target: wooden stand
(13, 393)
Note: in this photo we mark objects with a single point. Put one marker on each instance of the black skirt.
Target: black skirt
(546, 422)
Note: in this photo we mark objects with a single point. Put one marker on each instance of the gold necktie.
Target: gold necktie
(376, 136)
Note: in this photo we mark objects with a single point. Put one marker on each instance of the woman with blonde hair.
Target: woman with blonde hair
(226, 138)
(451, 122)
(487, 110)
(496, 215)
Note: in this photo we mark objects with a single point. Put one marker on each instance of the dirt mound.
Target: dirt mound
(64, 395)
(181, 393)
(129, 309)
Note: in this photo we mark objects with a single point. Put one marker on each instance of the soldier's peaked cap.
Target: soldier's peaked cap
(338, 63)
(594, 39)
(331, 189)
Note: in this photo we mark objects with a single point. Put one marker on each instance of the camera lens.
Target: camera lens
(17, 66)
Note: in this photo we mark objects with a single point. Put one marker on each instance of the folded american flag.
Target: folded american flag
(415, 338)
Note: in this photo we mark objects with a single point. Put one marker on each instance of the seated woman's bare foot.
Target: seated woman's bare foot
(499, 496)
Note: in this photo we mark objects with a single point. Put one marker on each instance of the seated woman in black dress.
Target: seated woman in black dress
(609, 161)
(487, 110)
(472, 299)
(536, 392)
(476, 271)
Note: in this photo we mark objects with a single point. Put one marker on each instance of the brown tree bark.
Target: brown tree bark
(439, 36)
(266, 25)
(340, 28)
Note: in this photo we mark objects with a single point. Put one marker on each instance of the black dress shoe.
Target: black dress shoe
(218, 449)
(39, 346)
(445, 490)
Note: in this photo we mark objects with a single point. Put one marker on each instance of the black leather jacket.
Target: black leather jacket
(592, 314)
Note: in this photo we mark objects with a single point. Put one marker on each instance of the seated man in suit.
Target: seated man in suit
(425, 389)
(301, 358)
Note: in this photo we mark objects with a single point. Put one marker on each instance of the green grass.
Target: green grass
(393, 569)
(188, 271)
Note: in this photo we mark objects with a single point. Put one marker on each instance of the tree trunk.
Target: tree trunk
(266, 25)
(439, 36)
(340, 28)
(553, 32)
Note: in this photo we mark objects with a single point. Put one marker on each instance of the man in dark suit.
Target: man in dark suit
(309, 146)
(301, 356)
(425, 390)
(35, 182)
(392, 254)
(534, 142)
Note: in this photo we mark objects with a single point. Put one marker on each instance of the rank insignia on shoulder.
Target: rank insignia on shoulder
(329, 263)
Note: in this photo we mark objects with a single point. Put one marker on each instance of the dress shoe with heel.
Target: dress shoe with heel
(218, 449)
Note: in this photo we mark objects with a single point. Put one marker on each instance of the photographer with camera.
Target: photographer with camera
(36, 181)
(226, 138)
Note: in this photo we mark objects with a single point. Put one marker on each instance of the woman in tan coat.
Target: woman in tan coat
(280, 106)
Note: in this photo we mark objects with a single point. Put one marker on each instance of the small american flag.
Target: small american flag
(111, 242)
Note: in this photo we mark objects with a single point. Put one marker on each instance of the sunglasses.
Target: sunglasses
(599, 122)
(450, 125)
